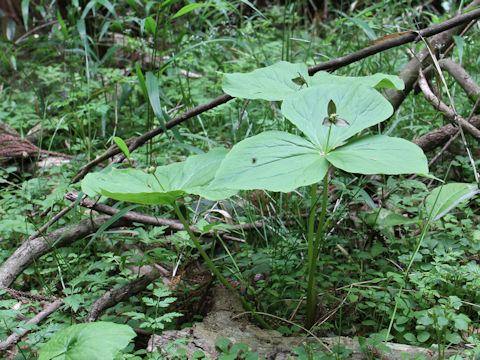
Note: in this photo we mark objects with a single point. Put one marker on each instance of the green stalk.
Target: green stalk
(322, 225)
(405, 276)
(311, 288)
(214, 269)
(313, 238)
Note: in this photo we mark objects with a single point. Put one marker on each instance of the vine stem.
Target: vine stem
(214, 269)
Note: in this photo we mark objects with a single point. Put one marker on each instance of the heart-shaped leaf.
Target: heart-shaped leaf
(273, 160)
(274, 82)
(96, 341)
(175, 180)
(379, 154)
(360, 106)
(444, 198)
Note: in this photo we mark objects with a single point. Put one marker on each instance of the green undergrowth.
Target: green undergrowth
(83, 90)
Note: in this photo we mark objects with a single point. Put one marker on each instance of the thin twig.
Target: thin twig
(244, 107)
(53, 220)
(394, 42)
(156, 221)
(444, 108)
(14, 338)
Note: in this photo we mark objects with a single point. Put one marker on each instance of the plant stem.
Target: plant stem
(213, 268)
(405, 277)
(321, 223)
(313, 238)
(311, 288)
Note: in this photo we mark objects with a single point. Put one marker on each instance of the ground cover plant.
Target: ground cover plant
(255, 156)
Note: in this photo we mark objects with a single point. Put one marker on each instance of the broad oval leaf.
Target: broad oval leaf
(359, 105)
(377, 81)
(272, 160)
(444, 198)
(175, 180)
(96, 341)
(274, 82)
(379, 154)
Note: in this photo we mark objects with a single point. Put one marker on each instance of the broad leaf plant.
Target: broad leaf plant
(331, 114)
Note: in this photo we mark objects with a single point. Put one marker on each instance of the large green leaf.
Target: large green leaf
(270, 83)
(94, 341)
(444, 198)
(175, 180)
(378, 80)
(360, 105)
(277, 81)
(379, 154)
(272, 160)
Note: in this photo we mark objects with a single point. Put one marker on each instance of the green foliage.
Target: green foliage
(151, 320)
(283, 162)
(237, 351)
(444, 198)
(76, 80)
(163, 185)
(99, 340)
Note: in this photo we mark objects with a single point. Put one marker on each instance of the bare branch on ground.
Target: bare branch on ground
(113, 297)
(15, 337)
(31, 250)
(444, 108)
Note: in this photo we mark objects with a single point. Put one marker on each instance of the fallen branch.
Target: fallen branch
(113, 297)
(400, 40)
(31, 250)
(156, 221)
(444, 108)
(15, 337)
(461, 77)
(409, 73)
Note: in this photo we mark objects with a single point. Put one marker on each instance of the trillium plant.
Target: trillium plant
(330, 113)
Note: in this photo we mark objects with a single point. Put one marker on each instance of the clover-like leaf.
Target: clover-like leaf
(167, 184)
(273, 160)
(359, 105)
(446, 197)
(274, 82)
(96, 341)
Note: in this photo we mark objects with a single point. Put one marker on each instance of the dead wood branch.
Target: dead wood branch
(444, 27)
(113, 297)
(15, 337)
(12, 145)
(444, 108)
(440, 136)
(16, 294)
(410, 72)
(52, 221)
(409, 75)
(461, 77)
(32, 250)
(156, 221)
